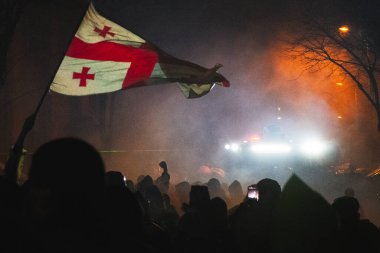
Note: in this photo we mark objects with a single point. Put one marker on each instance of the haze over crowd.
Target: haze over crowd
(156, 123)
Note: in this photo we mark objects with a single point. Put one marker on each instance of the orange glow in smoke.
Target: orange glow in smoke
(207, 170)
(303, 86)
(344, 29)
(255, 137)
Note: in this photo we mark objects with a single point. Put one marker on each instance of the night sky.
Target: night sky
(157, 123)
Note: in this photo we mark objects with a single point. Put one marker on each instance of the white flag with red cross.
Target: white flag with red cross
(105, 57)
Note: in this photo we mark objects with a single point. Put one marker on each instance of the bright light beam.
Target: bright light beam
(314, 147)
(271, 148)
(235, 147)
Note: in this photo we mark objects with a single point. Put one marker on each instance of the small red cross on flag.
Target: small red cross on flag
(83, 76)
(104, 32)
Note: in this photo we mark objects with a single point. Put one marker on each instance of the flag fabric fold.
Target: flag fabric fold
(105, 57)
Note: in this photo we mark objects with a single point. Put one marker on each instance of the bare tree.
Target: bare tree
(329, 37)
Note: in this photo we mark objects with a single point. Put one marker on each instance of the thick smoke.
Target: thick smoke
(143, 126)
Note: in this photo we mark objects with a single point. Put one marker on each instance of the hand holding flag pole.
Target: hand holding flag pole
(10, 170)
(11, 166)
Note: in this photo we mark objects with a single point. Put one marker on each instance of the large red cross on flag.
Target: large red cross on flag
(105, 57)
(83, 76)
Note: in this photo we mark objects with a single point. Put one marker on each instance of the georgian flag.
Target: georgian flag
(105, 57)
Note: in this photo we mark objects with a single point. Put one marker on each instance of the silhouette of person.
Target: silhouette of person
(355, 235)
(163, 181)
(115, 178)
(215, 189)
(63, 199)
(236, 193)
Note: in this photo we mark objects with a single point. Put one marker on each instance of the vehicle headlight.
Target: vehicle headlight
(235, 147)
(314, 147)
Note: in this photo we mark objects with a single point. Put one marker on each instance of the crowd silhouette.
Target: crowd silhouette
(69, 203)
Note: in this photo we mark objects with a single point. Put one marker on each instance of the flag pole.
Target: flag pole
(41, 100)
(10, 170)
(48, 87)
(11, 166)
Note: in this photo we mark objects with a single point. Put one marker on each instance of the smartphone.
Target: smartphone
(253, 192)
